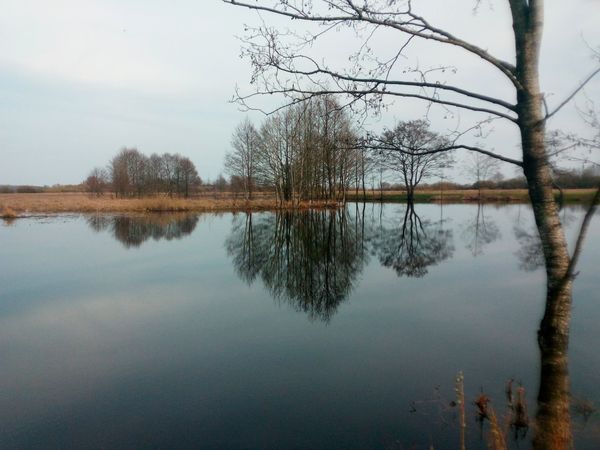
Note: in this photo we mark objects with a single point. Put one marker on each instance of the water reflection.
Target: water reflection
(411, 245)
(133, 231)
(309, 259)
(529, 254)
(480, 231)
(542, 248)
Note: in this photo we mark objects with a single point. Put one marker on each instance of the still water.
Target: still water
(309, 330)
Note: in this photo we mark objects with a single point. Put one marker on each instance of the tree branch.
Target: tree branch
(416, 26)
(379, 81)
(357, 94)
(385, 146)
(573, 94)
(582, 233)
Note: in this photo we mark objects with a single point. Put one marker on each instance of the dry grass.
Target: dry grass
(472, 195)
(19, 205)
(6, 212)
(496, 439)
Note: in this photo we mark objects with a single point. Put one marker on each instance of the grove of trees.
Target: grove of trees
(286, 61)
(131, 173)
(305, 152)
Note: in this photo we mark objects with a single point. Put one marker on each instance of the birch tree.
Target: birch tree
(241, 162)
(282, 65)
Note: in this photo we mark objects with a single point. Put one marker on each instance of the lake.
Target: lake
(317, 329)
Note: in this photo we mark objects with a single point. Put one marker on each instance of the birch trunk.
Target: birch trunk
(553, 425)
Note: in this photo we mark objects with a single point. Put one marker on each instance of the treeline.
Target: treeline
(304, 152)
(22, 189)
(31, 189)
(574, 178)
(586, 178)
(131, 173)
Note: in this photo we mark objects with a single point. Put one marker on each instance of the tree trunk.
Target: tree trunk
(410, 195)
(553, 425)
(553, 419)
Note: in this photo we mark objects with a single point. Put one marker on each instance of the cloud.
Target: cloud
(147, 46)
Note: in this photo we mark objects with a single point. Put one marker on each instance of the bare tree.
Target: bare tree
(220, 183)
(480, 168)
(307, 152)
(154, 179)
(410, 149)
(128, 172)
(97, 181)
(119, 174)
(133, 173)
(241, 162)
(189, 176)
(290, 70)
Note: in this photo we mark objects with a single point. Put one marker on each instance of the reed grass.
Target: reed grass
(471, 196)
(21, 205)
(6, 212)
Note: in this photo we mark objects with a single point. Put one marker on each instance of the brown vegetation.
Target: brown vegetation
(31, 204)
(6, 212)
(470, 195)
(18, 205)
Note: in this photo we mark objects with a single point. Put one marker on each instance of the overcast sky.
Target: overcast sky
(80, 79)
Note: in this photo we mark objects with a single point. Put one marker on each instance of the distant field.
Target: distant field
(15, 205)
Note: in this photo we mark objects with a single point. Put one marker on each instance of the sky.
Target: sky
(80, 79)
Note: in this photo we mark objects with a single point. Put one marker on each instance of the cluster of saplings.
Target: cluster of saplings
(305, 152)
(133, 174)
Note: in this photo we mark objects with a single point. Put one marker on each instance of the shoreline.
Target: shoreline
(14, 206)
(470, 196)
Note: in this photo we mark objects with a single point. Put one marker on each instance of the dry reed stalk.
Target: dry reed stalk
(496, 438)
(460, 401)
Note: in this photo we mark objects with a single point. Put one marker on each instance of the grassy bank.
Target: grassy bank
(23, 205)
(472, 196)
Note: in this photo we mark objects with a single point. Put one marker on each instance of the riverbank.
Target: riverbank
(470, 196)
(23, 205)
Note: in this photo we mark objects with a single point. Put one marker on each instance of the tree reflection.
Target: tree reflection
(413, 245)
(309, 259)
(553, 418)
(133, 231)
(530, 253)
(479, 232)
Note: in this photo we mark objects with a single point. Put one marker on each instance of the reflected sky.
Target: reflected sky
(164, 344)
